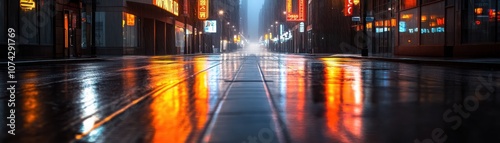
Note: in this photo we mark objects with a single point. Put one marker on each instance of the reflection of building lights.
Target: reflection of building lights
(440, 21)
(27, 4)
(88, 105)
(406, 16)
(432, 24)
(424, 18)
(369, 25)
(478, 10)
(378, 23)
(402, 26)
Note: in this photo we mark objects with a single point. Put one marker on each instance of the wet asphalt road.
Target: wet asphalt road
(252, 98)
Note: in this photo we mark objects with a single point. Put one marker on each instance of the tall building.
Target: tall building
(226, 12)
(267, 25)
(328, 30)
(244, 18)
(278, 33)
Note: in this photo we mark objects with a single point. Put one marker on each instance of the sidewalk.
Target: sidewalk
(85, 59)
(50, 61)
(474, 62)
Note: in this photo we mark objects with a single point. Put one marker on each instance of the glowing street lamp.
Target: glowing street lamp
(221, 12)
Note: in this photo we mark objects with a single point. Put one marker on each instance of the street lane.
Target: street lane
(173, 99)
(352, 100)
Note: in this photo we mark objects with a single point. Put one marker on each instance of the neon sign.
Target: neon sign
(168, 5)
(290, 16)
(27, 4)
(348, 9)
(203, 9)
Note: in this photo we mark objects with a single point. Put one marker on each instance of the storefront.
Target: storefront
(447, 28)
(44, 28)
(147, 27)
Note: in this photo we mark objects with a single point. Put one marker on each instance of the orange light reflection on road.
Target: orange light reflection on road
(343, 89)
(129, 76)
(171, 112)
(296, 87)
(201, 94)
(30, 101)
(166, 113)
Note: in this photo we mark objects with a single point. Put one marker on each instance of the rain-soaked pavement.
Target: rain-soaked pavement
(252, 98)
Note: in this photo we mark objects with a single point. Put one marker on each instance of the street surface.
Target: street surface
(252, 98)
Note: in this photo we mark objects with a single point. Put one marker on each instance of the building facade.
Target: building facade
(144, 27)
(244, 18)
(328, 30)
(448, 28)
(65, 28)
(439, 28)
(228, 24)
(44, 28)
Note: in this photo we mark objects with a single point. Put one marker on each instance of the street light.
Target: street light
(221, 14)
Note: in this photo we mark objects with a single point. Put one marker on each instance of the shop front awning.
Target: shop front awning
(149, 11)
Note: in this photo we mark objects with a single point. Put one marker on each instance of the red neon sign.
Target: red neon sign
(348, 9)
(203, 9)
(301, 16)
(440, 21)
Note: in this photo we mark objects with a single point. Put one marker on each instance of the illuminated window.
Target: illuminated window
(432, 24)
(408, 28)
(478, 21)
(129, 30)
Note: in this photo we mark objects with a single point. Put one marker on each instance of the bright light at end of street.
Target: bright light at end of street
(253, 48)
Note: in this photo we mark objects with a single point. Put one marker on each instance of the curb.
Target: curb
(451, 63)
(52, 61)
